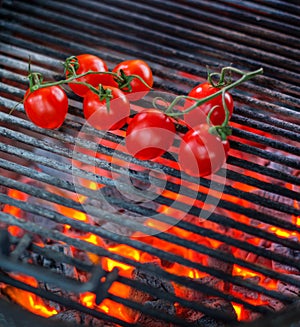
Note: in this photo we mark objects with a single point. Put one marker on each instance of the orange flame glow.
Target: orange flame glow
(28, 300)
(36, 305)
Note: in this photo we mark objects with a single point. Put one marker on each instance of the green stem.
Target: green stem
(156, 99)
(38, 85)
(69, 80)
(244, 78)
(139, 78)
(175, 101)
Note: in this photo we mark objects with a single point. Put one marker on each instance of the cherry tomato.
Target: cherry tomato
(199, 114)
(140, 68)
(201, 153)
(100, 116)
(149, 134)
(89, 62)
(46, 107)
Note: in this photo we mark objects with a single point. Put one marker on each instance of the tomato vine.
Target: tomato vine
(88, 77)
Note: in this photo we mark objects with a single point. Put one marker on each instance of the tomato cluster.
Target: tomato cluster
(105, 94)
(150, 133)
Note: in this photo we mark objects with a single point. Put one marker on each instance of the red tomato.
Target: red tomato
(46, 107)
(140, 68)
(99, 116)
(199, 114)
(89, 62)
(201, 153)
(149, 134)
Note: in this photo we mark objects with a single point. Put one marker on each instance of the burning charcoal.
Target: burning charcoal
(150, 279)
(160, 305)
(272, 303)
(60, 268)
(226, 267)
(251, 316)
(37, 219)
(288, 289)
(282, 168)
(64, 269)
(110, 194)
(276, 198)
(147, 277)
(190, 315)
(81, 319)
(214, 303)
(3, 190)
(117, 229)
(220, 305)
(254, 258)
(219, 264)
(209, 321)
(283, 250)
(40, 220)
(211, 281)
(246, 292)
(196, 295)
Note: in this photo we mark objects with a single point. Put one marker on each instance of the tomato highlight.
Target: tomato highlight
(46, 107)
(202, 153)
(87, 63)
(198, 115)
(149, 134)
(108, 113)
(136, 89)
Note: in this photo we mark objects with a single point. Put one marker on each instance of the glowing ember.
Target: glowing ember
(28, 300)
(36, 305)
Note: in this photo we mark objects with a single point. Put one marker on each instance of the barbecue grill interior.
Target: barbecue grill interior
(93, 237)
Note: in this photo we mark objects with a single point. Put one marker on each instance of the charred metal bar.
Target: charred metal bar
(247, 196)
(93, 285)
(274, 221)
(153, 45)
(177, 39)
(168, 256)
(209, 233)
(10, 314)
(22, 245)
(66, 302)
(289, 317)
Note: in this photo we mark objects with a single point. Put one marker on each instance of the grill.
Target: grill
(234, 260)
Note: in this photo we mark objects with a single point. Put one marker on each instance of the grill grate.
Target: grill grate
(178, 39)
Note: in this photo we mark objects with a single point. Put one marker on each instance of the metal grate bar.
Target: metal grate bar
(237, 13)
(270, 108)
(67, 153)
(52, 28)
(177, 39)
(197, 247)
(182, 280)
(285, 87)
(62, 152)
(192, 9)
(81, 244)
(229, 190)
(174, 42)
(228, 222)
(65, 302)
